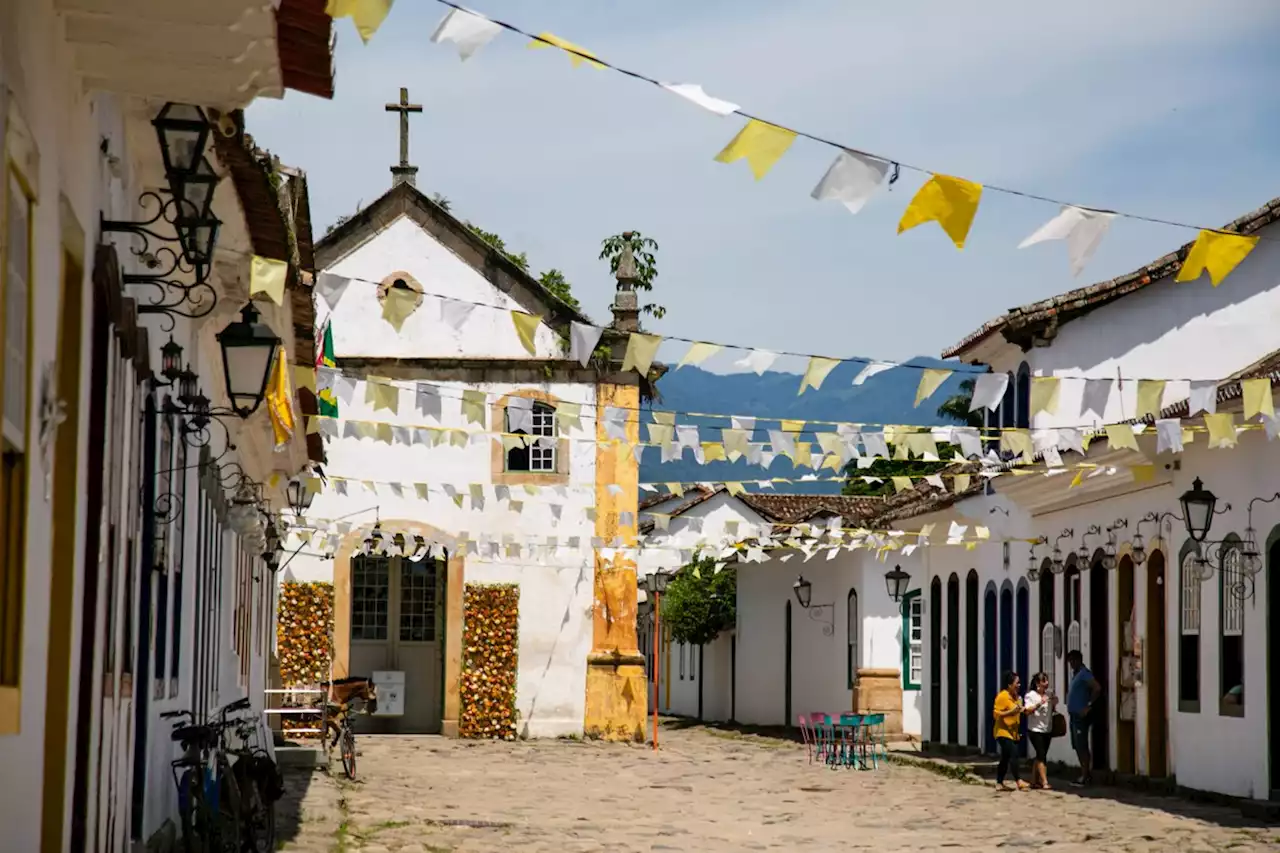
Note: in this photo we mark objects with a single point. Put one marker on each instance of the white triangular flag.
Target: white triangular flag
(582, 341)
(1096, 394)
(1082, 229)
(1204, 397)
(519, 414)
(455, 313)
(1169, 435)
(693, 92)
(615, 422)
(743, 423)
(988, 391)
(851, 179)
(758, 361)
(870, 370)
(331, 287)
(468, 30)
(428, 400)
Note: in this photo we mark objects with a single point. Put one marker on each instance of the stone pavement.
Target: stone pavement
(707, 791)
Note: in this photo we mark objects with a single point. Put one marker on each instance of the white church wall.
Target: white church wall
(358, 327)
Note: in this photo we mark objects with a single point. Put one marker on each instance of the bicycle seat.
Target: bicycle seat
(195, 735)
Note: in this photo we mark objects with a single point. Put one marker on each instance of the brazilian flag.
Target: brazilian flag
(327, 401)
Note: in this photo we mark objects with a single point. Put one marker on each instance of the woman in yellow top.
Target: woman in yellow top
(1007, 713)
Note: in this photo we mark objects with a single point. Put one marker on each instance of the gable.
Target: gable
(405, 235)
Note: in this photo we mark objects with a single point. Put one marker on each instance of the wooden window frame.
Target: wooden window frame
(15, 467)
(852, 635)
(907, 644)
(1188, 580)
(1231, 573)
(498, 460)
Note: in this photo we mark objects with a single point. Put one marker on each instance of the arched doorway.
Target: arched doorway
(989, 663)
(1022, 640)
(1006, 629)
(1126, 699)
(1048, 635)
(935, 660)
(1099, 659)
(971, 657)
(953, 658)
(1155, 671)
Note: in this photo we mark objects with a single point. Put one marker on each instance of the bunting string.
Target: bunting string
(856, 173)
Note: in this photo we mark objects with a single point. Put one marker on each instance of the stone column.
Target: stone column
(879, 691)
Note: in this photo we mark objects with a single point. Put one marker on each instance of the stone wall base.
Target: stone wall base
(879, 691)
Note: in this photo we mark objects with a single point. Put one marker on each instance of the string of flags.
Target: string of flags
(854, 176)
(1095, 393)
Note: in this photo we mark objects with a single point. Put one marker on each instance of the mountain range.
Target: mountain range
(885, 398)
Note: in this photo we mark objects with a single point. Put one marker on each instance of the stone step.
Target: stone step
(301, 757)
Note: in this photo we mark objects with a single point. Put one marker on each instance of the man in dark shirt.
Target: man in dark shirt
(1081, 696)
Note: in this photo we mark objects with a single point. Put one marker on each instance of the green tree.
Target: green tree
(886, 468)
(700, 602)
(642, 249)
(521, 260)
(554, 281)
(956, 407)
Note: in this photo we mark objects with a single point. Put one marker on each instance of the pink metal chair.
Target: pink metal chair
(807, 735)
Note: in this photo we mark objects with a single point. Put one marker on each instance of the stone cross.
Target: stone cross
(404, 173)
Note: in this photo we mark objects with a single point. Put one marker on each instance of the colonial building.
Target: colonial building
(133, 205)
(1177, 631)
(459, 458)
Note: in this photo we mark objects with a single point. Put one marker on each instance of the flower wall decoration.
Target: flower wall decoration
(490, 643)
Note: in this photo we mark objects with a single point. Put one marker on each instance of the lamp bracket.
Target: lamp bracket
(824, 614)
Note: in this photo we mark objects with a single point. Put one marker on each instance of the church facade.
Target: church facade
(464, 453)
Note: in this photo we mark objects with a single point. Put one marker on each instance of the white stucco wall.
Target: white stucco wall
(819, 662)
(359, 329)
(1164, 331)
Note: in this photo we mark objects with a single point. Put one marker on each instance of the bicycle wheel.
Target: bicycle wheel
(189, 799)
(257, 815)
(349, 753)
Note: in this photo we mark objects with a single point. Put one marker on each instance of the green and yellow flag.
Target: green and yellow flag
(326, 400)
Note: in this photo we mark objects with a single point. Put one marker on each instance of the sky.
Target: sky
(1164, 108)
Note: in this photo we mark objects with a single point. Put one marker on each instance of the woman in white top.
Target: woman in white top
(1038, 705)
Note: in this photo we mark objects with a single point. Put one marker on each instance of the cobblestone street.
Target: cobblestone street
(710, 790)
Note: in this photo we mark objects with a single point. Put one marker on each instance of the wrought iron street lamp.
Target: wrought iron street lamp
(1197, 510)
(300, 497)
(825, 614)
(183, 130)
(803, 590)
(248, 350)
(1056, 564)
(896, 581)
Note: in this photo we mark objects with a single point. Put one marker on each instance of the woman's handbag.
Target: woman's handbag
(1059, 727)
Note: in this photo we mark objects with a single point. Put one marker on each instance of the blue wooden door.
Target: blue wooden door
(989, 675)
(1022, 641)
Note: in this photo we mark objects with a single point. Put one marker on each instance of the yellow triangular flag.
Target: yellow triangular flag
(397, 305)
(367, 15)
(804, 455)
(1257, 398)
(960, 482)
(676, 489)
(577, 53)
(735, 488)
(791, 426)
(1018, 442)
(279, 401)
(640, 352)
(267, 275)
(930, 379)
(698, 353)
(832, 461)
(901, 484)
(304, 376)
(713, 451)
(382, 432)
(1044, 394)
(381, 394)
(526, 325)
(1216, 252)
(1150, 392)
(1120, 436)
(761, 143)
(313, 426)
(816, 372)
(473, 407)
(568, 416)
(1222, 429)
(1077, 479)
(951, 202)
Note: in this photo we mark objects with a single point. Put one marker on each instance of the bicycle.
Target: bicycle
(224, 807)
(340, 715)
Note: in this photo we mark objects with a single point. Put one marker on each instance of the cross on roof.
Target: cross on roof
(404, 173)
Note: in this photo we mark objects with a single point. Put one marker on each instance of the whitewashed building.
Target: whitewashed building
(122, 593)
(1178, 634)
(437, 466)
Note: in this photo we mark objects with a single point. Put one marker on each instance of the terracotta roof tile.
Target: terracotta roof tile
(1022, 325)
(792, 509)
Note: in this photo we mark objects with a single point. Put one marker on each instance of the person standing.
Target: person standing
(1081, 697)
(1038, 707)
(1007, 713)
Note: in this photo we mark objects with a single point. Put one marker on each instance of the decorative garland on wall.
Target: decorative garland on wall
(491, 627)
